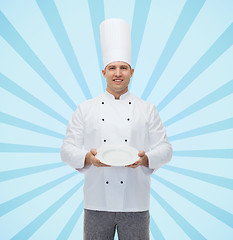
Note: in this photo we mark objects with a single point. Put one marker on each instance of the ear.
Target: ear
(104, 73)
(132, 71)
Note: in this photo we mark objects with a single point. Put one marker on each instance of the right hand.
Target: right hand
(91, 159)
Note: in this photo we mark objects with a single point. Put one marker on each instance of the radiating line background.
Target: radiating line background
(50, 61)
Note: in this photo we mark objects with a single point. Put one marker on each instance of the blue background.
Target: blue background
(50, 61)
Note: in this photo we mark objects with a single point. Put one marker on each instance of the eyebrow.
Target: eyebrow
(119, 66)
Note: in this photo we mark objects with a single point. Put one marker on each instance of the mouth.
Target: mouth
(117, 80)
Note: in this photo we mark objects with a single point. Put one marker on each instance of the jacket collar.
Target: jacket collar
(122, 97)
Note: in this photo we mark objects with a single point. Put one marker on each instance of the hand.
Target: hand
(143, 160)
(91, 159)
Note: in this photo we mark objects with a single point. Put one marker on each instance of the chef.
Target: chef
(116, 197)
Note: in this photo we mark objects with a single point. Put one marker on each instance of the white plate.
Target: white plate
(117, 155)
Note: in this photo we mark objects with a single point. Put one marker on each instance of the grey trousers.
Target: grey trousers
(101, 225)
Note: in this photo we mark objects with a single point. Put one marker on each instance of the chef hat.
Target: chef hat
(115, 39)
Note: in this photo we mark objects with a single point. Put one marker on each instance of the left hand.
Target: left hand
(143, 160)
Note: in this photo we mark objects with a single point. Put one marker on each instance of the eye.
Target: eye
(124, 67)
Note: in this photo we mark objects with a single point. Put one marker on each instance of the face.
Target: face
(118, 76)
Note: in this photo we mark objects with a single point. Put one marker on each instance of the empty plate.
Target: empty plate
(117, 155)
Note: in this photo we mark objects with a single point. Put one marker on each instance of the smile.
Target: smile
(117, 80)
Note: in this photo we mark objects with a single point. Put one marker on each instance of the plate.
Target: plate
(117, 155)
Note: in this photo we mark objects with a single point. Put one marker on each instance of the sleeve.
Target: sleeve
(71, 150)
(160, 149)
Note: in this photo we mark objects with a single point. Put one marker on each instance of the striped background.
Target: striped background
(50, 61)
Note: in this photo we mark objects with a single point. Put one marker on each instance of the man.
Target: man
(116, 196)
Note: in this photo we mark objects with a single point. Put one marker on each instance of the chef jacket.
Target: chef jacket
(106, 120)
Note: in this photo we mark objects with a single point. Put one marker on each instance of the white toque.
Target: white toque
(115, 37)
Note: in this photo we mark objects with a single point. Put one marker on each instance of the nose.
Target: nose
(118, 72)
